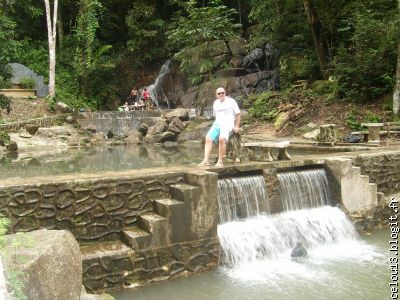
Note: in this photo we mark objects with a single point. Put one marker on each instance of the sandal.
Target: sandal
(219, 164)
(204, 164)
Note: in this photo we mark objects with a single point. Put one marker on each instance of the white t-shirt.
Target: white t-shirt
(225, 112)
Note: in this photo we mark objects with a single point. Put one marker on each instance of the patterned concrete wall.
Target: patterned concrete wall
(124, 267)
(41, 122)
(92, 210)
(382, 169)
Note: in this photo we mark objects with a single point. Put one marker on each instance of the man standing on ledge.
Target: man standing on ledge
(227, 119)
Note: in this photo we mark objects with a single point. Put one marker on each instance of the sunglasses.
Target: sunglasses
(221, 93)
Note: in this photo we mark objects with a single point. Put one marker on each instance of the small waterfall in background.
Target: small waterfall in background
(304, 189)
(260, 246)
(240, 198)
(156, 91)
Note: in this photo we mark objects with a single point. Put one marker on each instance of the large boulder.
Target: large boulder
(64, 108)
(237, 46)
(48, 261)
(181, 113)
(20, 72)
(31, 128)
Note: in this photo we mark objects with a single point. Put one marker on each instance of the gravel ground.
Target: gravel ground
(23, 109)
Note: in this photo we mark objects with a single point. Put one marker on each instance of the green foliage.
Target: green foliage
(263, 106)
(360, 37)
(5, 103)
(365, 63)
(13, 275)
(193, 32)
(352, 120)
(7, 47)
(28, 83)
(4, 138)
(296, 67)
(33, 54)
(371, 117)
(145, 32)
(90, 56)
(324, 87)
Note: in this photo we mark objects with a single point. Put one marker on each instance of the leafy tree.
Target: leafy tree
(89, 56)
(194, 30)
(7, 49)
(346, 37)
(145, 32)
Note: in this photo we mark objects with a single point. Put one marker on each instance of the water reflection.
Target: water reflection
(95, 159)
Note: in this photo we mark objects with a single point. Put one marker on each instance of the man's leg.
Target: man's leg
(207, 150)
(221, 150)
(212, 135)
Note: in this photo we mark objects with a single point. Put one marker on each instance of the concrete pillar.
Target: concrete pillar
(355, 189)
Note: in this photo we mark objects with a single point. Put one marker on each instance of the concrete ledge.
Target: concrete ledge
(18, 93)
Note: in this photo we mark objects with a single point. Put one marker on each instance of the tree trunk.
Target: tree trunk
(315, 25)
(51, 34)
(60, 29)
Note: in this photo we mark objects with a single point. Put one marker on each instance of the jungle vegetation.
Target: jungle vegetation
(105, 46)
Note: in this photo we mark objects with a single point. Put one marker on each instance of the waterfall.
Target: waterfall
(262, 244)
(272, 237)
(156, 90)
(241, 198)
(3, 284)
(304, 189)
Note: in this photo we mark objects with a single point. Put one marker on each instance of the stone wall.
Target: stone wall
(382, 169)
(41, 122)
(93, 210)
(272, 186)
(117, 122)
(123, 267)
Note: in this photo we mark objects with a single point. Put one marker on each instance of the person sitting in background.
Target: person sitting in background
(126, 106)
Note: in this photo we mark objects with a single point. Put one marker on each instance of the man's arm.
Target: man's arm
(237, 123)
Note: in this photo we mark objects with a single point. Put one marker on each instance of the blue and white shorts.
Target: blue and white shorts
(215, 132)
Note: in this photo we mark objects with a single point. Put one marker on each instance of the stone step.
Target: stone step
(136, 238)
(182, 191)
(364, 179)
(157, 226)
(168, 207)
(103, 262)
(104, 249)
(178, 218)
(356, 170)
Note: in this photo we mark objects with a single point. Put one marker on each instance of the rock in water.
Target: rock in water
(299, 251)
(110, 135)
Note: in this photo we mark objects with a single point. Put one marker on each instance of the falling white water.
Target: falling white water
(3, 285)
(304, 189)
(155, 89)
(241, 197)
(259, 248)
(273, 237)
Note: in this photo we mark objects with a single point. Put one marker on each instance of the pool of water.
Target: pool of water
(109, 158)
(357, 269)
(96, 159)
